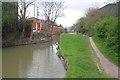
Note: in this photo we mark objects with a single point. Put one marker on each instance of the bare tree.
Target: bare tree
(51, 10)
(23, 6)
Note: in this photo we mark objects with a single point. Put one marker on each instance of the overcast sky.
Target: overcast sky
(76, 9)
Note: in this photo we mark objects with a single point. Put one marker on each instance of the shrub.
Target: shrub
(107, 29)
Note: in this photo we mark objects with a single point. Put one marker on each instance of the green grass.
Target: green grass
(107, 52)
(80, 57)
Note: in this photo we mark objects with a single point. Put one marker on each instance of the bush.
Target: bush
(107, 29)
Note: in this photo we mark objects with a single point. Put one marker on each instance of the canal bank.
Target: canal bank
(61, 57)
(32, 61)
(25, 41)
(81, 59)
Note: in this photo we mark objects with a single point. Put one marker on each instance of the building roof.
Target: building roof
(60, 25)
(33, 18)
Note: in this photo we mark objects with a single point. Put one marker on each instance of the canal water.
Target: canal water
(32, 61)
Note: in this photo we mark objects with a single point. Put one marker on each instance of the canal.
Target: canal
(32, 61)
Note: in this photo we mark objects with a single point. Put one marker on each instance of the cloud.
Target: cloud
(70, 18)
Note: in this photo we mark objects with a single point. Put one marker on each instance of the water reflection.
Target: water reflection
(32, 61)
(55, 39)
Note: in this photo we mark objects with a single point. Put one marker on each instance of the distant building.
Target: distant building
(65, 30)
(37, 24)
(57, 29)
(54, 29)
(40, 26)
(61, 28)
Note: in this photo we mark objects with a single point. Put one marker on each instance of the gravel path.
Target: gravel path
(108, 66)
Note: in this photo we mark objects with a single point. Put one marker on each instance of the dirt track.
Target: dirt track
(108, 66)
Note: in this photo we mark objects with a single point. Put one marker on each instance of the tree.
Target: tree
(23, 5)
(107, 30)
(52, 10)
(80, 26)
(9, 18)
(93, 15)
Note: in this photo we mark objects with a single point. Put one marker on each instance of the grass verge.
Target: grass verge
(80, 57)
(107, 52)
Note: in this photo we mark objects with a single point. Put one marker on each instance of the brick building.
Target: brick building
(40, 26)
